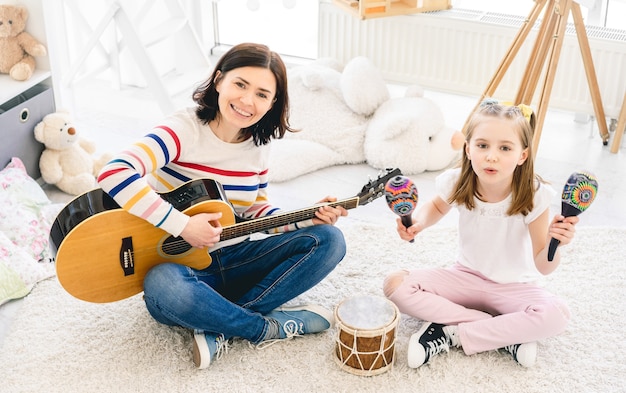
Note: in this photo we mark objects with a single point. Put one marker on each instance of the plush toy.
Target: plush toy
(346, 115)
(331, 105)
(17, 47)
(67, 160)
(410, 133)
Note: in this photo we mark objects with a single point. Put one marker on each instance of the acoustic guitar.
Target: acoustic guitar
(104, 252)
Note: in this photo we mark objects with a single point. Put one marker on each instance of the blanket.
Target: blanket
(26, 215)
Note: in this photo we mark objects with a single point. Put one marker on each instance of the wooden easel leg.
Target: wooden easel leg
(621, 127)
(538, 55)
(561, 11)
(590, 71)
(548, 46)
(504, 65)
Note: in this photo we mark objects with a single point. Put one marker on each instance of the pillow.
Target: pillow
(12, 284)
(26, 215)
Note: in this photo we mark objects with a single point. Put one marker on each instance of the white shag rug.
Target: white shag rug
(61, 344)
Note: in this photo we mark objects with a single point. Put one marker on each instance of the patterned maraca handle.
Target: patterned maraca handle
(578, 193)
(401, 195)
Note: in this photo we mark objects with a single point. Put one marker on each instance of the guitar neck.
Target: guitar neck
(277, 220)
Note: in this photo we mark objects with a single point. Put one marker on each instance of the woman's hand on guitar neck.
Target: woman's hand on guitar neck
(329, 214)
(203, 230)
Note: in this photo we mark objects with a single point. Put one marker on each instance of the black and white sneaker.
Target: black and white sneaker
(427, 342)
(524, 354)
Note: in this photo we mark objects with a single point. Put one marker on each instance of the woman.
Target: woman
(240, 108)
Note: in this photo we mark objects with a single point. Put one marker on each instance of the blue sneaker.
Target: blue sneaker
(304, 319)
(208, 347)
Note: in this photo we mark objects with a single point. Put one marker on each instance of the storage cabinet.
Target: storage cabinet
(18, 118)
(24, 103)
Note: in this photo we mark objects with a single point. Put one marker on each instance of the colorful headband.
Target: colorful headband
(526, 110)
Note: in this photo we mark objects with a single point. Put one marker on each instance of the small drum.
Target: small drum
(366, 334)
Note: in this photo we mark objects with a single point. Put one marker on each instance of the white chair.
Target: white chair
(191, 62)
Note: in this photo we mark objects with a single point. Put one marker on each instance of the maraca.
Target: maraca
(578, 193)
(401, 194)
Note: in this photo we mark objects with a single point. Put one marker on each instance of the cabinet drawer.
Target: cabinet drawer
(18, 118)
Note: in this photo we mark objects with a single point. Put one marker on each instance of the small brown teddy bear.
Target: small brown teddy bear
(17, 47)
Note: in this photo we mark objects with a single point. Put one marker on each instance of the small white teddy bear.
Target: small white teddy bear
(67, 160)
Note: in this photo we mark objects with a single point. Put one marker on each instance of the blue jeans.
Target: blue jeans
(244, 282)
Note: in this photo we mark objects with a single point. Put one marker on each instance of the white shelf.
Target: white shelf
(35, 26)
(12, 88)
(22, 111)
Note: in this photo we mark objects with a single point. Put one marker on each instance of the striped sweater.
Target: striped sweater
(180, 149)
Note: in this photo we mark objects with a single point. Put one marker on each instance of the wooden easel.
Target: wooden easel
(620, 129)
(548, 48)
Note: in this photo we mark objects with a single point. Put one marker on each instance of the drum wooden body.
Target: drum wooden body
(366, 334)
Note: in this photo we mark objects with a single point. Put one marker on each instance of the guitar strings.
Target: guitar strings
(177, 246)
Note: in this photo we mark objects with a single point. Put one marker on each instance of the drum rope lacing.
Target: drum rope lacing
(382, 349)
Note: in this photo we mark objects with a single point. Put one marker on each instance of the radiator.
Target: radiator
(458, 51)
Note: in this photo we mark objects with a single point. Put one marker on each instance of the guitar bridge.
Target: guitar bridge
(126, 256)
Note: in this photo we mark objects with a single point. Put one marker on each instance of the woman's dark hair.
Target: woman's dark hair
(276, 121)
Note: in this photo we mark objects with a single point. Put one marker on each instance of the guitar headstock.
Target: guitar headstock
(375, 188)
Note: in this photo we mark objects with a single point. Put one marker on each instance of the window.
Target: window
(288, 27)
(607, 13)
(615, 14)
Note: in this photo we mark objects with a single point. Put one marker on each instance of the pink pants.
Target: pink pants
(489, 315)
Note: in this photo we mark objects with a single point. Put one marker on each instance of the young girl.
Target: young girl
(488, 299)
(226, 137)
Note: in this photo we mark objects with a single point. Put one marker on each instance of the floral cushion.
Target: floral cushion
(26, 215)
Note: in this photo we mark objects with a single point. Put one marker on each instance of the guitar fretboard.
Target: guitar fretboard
(276, 220)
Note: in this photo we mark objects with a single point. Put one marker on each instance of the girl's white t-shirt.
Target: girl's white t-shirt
(491, 242)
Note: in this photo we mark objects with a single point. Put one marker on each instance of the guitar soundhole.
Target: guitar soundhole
(175, 246)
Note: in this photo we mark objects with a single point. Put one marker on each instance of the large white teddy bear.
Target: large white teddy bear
(67, 160)
(331, 106)
(410, 133)
(346, 115)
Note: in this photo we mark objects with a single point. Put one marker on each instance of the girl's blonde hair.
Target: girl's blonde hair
(524, 183)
